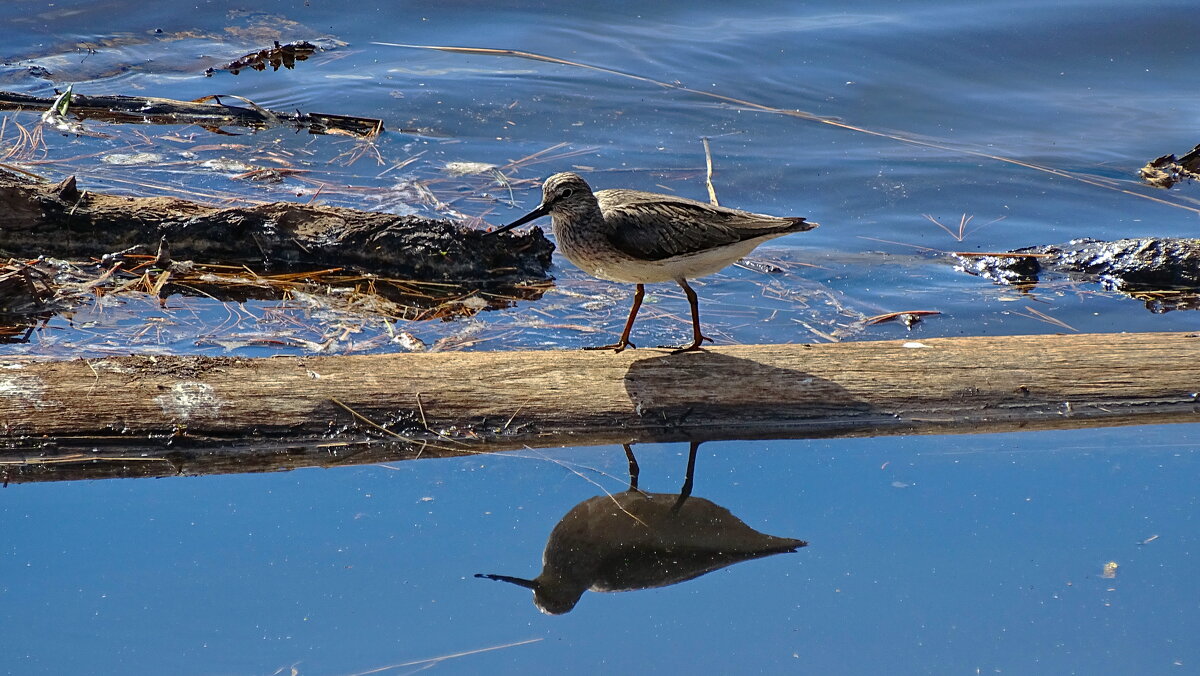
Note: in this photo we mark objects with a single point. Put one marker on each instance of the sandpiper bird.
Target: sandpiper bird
(642, 237)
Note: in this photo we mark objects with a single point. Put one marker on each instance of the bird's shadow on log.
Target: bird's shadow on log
(718, 395)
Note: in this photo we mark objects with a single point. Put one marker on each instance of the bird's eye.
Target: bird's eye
(565, 194)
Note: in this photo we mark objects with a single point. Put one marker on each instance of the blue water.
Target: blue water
(1094, 88)
(939, 554)
(927, 555)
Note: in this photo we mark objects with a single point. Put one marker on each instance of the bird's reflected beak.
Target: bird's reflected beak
(542, 210)
(519, 581)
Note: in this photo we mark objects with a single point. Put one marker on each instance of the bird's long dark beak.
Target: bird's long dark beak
(542, 210)
(519, 581)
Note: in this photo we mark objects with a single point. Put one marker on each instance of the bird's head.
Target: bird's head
(561, 193)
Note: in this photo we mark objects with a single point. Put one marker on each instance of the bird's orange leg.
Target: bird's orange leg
(697, 337)
(624, 342)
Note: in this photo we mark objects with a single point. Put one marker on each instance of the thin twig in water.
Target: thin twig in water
(504, 182)
(514, 415)
(1096, 181)
(1034, 314)
(999, 254)
(421, 409)
(431, 661)
(400, 165)
(362, 418)
(571, 468)
(425, 425)
(827, 336)
(879, 319)
(888, 241)
(80, 457)
(962, 225)
(708, 172)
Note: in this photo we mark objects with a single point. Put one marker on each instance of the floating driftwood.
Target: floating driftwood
(285, 55)
(164, 416)
(218, 113)
(27, 295)
(1164, 272)
(331, 310)
(1166, 171)
(24, 290)
(41, 219)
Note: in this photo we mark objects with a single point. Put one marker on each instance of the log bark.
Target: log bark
(219, 113)
(63, 221)
(161, 416)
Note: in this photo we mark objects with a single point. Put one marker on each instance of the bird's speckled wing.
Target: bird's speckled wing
(653, 227)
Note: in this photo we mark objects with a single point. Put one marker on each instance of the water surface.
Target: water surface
(939, 554)
(1094, 88)
(926, 555)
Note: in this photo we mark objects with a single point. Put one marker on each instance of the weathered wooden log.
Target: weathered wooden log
(157, 416)
(63, 221)
(154, 110)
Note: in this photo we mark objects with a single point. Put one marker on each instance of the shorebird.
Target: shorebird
(643, 237)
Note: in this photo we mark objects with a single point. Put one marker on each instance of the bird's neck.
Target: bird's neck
(580, 215)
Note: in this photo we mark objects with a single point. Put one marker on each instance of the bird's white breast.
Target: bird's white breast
(601, 259)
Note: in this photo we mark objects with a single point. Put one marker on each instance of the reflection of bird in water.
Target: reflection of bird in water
(636, 540)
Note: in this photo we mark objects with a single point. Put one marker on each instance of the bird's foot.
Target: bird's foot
(615, 347)
(694, 347)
